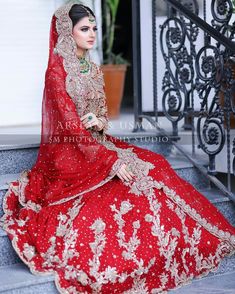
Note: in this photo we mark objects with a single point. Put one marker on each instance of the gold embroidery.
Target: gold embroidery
(144, 185)
(130, 247)
(86, 90)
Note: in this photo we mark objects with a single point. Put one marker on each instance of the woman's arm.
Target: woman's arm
(102, 112)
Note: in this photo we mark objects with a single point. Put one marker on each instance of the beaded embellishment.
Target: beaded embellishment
(66, 47)
(84, 65)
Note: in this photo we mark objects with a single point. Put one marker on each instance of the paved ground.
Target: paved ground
(222, 284)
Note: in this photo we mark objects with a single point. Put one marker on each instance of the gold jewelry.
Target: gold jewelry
(91, 17)
(84, 65)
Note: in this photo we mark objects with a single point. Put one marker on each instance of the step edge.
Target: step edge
(4, 182)
(19, 146)
(35, 279)
(20, 285)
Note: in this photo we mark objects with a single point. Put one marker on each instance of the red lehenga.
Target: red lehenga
(72, 216)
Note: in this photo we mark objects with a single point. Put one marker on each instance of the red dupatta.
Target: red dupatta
(70, 160)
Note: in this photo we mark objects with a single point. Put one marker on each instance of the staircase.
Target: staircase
(15, 277)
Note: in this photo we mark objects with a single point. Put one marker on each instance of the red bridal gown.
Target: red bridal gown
(70, 215)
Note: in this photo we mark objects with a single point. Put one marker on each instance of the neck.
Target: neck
(81, 53)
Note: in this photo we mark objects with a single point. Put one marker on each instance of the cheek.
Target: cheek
(78, 36)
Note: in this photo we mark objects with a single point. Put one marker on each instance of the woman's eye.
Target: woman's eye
(86, 29)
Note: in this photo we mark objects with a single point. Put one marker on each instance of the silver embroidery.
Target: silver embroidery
(137, 166)
(97, 247)
(29, 251)
(144, 185)
(86, 90)
(139, 287)
(133, 243)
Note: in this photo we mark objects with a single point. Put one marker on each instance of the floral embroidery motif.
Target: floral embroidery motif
(69, 235)
(61, 253)
(29, 251)
(97, 247)
(131, 246)
(139, 287)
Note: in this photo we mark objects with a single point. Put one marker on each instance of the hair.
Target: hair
(79, 11)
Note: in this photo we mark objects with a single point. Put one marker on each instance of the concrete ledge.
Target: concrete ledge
(5, 179)
(18, 276)
(210, 285)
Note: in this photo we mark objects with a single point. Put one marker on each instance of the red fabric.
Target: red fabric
(42, 229)
(112, 239)
(70, 160)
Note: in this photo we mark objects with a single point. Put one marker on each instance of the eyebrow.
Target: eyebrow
(87, 27)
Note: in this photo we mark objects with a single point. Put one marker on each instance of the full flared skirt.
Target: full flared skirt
(155, 237)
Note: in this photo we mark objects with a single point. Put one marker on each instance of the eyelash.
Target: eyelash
(86, 29)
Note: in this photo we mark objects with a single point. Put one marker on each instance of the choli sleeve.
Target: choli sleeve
(102, 113)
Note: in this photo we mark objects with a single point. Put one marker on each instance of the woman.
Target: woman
(102, 215)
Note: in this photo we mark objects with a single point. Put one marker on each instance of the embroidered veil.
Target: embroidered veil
(70, 160)
(148, 235)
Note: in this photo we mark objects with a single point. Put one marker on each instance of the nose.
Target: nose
(92, 33)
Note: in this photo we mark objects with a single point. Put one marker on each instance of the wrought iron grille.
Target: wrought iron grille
(198, 71)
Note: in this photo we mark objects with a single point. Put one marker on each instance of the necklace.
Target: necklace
(84, 65)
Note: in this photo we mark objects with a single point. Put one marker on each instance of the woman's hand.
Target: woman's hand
(124, 174)
(90, 120)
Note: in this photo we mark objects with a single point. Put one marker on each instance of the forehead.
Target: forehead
(85, 22)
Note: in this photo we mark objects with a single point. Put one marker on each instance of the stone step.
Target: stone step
(15, 160)
(17, 279)
(8, 255)
(222, 202)
(225, 284)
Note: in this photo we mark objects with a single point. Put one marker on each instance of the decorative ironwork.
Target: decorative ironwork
(214, 81)
(210, 131)
(222, 11)
(233, 156)
(178, 49)
(206, 73)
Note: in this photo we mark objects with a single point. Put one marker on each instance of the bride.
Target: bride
(102, 215)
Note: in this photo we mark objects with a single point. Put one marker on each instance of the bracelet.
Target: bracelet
(99, 129)
(116, 166)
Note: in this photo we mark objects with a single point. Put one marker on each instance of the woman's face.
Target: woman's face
(84, 34)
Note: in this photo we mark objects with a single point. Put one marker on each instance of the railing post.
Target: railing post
(137, 65)
(154, 37)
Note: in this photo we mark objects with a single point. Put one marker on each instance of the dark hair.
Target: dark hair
(78, 11)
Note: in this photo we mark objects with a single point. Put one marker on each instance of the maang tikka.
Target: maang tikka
(90, 16)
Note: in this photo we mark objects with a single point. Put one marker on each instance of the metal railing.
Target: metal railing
(199, 66)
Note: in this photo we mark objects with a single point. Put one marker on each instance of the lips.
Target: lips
(90, 42)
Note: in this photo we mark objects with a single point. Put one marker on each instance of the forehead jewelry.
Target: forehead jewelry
(91, 17)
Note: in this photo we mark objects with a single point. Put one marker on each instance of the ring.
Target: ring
(89, 117)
